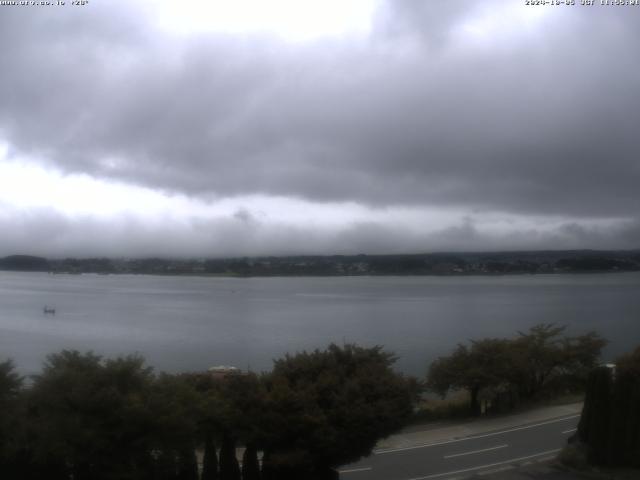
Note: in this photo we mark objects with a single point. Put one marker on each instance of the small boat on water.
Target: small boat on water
(48, 311)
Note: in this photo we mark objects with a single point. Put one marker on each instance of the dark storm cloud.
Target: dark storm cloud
(538, 122)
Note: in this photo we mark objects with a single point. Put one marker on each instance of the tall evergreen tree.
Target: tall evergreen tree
(610, 422)
(624, 447)
(12, 422)
(595, 422)
(166, 466)
(229, 467)
(250, 464)
(210, 459)
(187, 464)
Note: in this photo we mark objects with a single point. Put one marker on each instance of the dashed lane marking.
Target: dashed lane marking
(482, 467)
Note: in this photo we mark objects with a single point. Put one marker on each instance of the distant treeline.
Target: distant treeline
(495, 263)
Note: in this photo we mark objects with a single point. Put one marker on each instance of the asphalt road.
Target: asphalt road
(467, 456)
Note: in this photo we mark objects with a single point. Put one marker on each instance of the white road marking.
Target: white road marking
(486, 466)
(354, 470)
(571, 430)
(414, 447)
(476, 451)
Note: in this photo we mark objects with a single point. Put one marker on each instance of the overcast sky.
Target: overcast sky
(251, 127)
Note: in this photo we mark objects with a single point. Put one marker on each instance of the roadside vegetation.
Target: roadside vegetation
(608, 436)
(89, 418)
(501, 374)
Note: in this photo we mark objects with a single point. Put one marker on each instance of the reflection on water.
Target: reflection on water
(182, 323)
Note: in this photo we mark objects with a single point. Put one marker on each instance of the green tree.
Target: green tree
(229, 467)
(610, 423)
(542, 355)
(187, 464)
(176, 407)
(581, 355)
(231, 413)
(523, 367)
(250, 464)
(483, 365)
(595, 423)
(327, 408)
(11, 419)
(210, 419)
(91, 415)
(625, 441)
(10, 381)
(210, 459)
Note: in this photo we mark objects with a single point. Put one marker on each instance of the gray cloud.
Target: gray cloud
(536, 122)
(47, 232)
(431, 21)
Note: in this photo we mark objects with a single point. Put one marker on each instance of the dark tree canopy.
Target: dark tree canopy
(522, 367)
(90, 418)
(330, 407)
(610, 423)
(10, 385)
(484, 364)
(93, 414)
(10, 381)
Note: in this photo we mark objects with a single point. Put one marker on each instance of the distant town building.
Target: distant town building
(224, 371)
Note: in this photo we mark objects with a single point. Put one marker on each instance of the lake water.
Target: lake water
(192, 323)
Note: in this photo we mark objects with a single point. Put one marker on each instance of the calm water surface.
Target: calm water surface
(187, 323)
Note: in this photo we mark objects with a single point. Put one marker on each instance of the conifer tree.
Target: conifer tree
(596, 416)
(229, 468)
(210, 460)
(187, 465)
(250, 464)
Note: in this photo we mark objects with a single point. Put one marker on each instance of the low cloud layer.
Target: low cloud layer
(491, 110)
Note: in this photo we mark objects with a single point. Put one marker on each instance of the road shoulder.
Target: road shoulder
(430, 434)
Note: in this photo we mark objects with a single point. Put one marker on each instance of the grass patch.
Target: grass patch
(454, 406)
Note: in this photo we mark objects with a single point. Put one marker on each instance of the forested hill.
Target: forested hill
(468, 263)
(24, 263)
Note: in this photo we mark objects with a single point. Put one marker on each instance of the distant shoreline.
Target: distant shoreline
(370, 275)
(430, 264)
